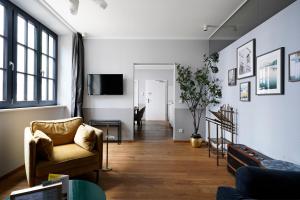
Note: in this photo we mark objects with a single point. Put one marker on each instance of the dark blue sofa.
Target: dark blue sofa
(259, 183)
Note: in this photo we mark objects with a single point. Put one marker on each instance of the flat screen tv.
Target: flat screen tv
(105, 84)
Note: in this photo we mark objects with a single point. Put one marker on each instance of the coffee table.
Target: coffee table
(84, 190)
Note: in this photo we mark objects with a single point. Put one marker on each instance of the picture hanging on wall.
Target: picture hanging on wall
(245, 91)
(232, 77)
(294, 66)
(246, 60)
(270, 74)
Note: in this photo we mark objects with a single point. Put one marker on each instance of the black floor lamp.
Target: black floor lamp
(106, 164)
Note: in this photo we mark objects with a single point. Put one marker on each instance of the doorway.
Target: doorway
(153, 100)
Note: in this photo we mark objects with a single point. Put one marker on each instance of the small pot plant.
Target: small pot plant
(199, 89)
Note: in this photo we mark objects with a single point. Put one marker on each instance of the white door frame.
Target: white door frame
(171, 66)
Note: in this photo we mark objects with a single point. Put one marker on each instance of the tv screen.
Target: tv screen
(105, 84)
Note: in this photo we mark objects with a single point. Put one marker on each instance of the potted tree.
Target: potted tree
(199, 89)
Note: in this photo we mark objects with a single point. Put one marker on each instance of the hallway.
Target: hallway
(154, 131)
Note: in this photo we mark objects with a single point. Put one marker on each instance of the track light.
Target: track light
(74, 4)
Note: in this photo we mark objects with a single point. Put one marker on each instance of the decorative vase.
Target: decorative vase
(196, 142)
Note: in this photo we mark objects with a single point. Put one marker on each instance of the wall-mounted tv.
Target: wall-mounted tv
(105, 84)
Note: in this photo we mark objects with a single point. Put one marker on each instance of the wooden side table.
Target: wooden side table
(109, 123)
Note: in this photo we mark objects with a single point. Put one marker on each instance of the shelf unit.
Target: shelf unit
(224, 123)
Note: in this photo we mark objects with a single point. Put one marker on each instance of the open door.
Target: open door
(156, 99)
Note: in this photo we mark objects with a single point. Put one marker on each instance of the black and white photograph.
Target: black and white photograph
(246, 60)
(232, 77)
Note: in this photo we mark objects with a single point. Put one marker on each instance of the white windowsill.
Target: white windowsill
(31, 108)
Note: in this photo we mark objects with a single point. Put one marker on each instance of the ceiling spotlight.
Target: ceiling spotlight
(84, 34)
(102, 3)
(74, 4)
(204, 27)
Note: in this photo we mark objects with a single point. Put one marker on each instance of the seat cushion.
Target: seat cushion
(60, 131)
(66, 158)
(44, 145)
(228, 193)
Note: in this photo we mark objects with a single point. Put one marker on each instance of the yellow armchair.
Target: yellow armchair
(68, 157)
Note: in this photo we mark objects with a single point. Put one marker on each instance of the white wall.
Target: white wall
(151, 74)
(118, 56)
(269, 124)
(64, 89)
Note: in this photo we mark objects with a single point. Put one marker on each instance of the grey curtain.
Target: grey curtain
(78, 75)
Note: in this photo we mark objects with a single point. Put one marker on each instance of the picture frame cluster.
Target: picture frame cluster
(268, 68)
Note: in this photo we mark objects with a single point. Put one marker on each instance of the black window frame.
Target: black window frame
(10, 85)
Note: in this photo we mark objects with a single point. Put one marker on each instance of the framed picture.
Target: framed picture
(232, 77)
(270, 73)
(245, 91)
(246, 60)
(294, 66)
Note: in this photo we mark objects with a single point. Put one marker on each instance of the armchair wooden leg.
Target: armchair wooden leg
(97, 176)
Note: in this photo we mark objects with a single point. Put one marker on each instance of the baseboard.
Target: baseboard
(5, 176)
(181, 141)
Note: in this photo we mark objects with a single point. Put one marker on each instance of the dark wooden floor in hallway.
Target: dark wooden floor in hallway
(151, 131)
(152, 168)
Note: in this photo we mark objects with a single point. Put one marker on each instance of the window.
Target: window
(48, 67)
(3, 68)
(28, 62)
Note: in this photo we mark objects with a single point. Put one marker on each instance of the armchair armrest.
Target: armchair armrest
(262, 183)
(29, 156)
(99, 144)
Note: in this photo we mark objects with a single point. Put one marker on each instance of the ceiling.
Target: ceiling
(146, 19)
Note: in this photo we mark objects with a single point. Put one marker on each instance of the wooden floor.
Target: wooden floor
(152, 167)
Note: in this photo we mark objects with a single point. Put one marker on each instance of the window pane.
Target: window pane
(1, 20)
(51, 46)
(20, 87)
(50, 90)
(31, 35)
(20, 59)
(44, 89)
(30, 61)
(1, 53)
(1, 85)
(21, 30)
(44, 66)
(51, 68)
(30, 88)
(44, 43)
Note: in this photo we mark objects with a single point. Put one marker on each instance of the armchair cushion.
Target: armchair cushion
(44, 145)
(65, 158)
(85, 137)
(60, 131)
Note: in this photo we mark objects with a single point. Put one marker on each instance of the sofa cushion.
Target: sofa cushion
(60, 131)
(66, 157)
(85, 137)
(44, 145)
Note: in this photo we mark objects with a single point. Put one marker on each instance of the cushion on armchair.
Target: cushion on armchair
(44, 145)
(85, 137)
(60, 131)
